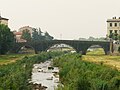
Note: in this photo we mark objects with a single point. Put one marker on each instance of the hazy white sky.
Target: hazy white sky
(71, 18)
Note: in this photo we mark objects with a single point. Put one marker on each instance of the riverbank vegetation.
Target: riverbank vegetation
(98, 56)
(10, 58)
(6, 39)
(15, 76)
(76, 74)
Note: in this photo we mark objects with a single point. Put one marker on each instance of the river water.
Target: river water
(46, 75)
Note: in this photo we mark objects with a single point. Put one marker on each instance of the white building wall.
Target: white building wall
(4, 22)
(113, 27)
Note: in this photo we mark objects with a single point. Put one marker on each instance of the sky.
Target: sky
(63, 19)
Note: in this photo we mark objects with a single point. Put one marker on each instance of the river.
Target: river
(45, 75)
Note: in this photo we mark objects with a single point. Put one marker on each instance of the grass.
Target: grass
(98, 56)
(5, 59)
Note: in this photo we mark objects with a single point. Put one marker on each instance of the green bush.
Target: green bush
(16, 76)
(76, 74)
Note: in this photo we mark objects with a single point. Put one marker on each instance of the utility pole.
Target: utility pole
(60, 36)
(61, 44)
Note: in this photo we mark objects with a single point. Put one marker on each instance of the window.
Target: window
(115, 31)
(110, 24)
(111, 31)
(115, 24)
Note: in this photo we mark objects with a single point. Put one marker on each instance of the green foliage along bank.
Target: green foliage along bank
(26, 35)
(76, 74)
(37, 35)
(16, 76)
(6, 39)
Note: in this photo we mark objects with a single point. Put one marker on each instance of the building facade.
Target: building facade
(20, 31)
(30, 29)
(113, 26)
(18, 36)
(3, 20)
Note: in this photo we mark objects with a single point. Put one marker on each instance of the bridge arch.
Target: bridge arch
(61, 47)
(26, 49)
(17, 47)
(105, 48)
(95, 49)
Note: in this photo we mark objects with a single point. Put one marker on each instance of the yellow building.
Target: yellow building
(3, 20)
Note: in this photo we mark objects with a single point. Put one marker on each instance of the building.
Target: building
(3, 20)
(113, 26)
(30, 29)
(20, 31)
(113, 32)
(18, 36)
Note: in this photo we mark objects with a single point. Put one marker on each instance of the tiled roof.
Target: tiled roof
(18, 33)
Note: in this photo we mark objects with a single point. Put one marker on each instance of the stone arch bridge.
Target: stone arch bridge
(79, 46)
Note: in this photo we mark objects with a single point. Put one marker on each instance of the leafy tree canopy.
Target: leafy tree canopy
(6, 39)
(114, 36)
(37, 35)
(47, 36)
(26, 35)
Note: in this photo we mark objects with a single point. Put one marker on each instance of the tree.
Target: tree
(111, 35)
(114, 36)
(6, 39)
(38, 36)
(119, 49)
(41, 37)
(47, 36)
(26, 35)
(35, 35)
(119, 37)
(40, 32)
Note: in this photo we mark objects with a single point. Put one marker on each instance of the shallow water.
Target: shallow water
(42, 75)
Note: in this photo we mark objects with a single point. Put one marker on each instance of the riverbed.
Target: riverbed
(46, 75)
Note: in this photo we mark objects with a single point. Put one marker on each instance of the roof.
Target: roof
(18, 33)
(1, 18)
(113, 20)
